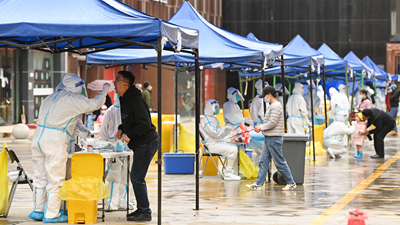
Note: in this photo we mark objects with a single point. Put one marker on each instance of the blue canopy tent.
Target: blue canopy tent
(58, 26)
(380, 74)
(334, 64)
(217, 46)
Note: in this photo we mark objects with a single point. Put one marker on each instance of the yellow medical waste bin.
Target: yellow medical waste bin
(319, 132)
(84, 165)
(210, 169)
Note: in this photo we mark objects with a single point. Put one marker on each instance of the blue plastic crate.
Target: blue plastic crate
(178, 163)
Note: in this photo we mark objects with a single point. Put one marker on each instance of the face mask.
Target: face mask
(216, 111)
(83, 91)
(238, 98)
(266, 100)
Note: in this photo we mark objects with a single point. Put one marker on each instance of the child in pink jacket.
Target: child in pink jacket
(360, 134)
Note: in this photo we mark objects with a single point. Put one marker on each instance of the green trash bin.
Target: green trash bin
(294, 151)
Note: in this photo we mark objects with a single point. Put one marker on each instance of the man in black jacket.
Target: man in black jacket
(141, 136)
(383, 123)
(394, 95)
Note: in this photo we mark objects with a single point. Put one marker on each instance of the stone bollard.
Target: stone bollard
(20, 132)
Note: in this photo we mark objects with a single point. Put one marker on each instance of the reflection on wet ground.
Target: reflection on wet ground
(331, 188)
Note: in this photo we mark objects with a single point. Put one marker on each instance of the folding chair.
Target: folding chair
(206, 152)
(25, 179)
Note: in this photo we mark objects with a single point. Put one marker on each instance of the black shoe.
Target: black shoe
(132, 214)
(140, 217)
(377, 156)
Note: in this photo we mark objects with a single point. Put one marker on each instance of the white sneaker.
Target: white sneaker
(290, 187)
(254, 186)
(331, 153)
(231, 177)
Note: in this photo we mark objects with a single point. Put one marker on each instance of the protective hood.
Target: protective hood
(342, 88)
(116, 99)
(332, 91)
(60, 86)
(210, 107)
(259, 86)
(298, 88)
(341, 116)
(231, 94)
(73, 83)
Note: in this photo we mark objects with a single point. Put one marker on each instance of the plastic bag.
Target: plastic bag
(319, 150)
(12, 176)
(84, 189)
(247, 167)
(186, 140)
(3, 181)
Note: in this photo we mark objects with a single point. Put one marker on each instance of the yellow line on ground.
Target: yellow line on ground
(378, 199)
(339, 205)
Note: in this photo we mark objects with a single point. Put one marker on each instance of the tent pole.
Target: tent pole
(263, 84)
(254, 89)
(274, 81)
(283, 95)
(354, 87)
(312, 114)
(347, 82)
(159, 159)
(324, 88)
(362, 81)
(176, 109)
(197, 89)
(241, 92)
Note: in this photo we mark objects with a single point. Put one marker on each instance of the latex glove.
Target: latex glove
(106, 87)
(89, 133)
(353, 123)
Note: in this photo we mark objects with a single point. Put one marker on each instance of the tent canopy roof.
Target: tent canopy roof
(380, 74)
(60, 25)
(332, 60)
(356, 64)
(216, 44)
(299, 53)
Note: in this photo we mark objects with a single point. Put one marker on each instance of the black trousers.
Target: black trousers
(379, 136)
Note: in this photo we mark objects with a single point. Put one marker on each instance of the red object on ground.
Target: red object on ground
(356, 217)
(32, 126)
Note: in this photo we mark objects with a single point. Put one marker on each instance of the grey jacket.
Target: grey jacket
(273, 120)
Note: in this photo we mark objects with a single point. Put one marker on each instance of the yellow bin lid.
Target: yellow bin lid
(87, 165)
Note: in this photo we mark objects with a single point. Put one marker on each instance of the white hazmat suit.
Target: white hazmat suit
(57, 120)
(339, 103)
(278, 87)
(214, 133)
(257, 106)
(316, 101)
(333, 135)
(297, 110)
(116, 178)
(232, 114)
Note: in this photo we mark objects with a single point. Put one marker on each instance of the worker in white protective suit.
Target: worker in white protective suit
(316, 101)
(339, 103)
(57, 120)
(334, 134)
(257, 106)
(116, 178)
(232, 114)
(297, 111)
(214, 133)
(80, 129)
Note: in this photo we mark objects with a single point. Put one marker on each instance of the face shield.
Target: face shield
(215, 107)
(238, 96)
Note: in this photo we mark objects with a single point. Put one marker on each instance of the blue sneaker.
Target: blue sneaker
(38, 216)
(61, 219)
(359, 155)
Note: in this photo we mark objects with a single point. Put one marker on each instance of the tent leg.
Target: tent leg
(159, 159)
(312, 114)
(283, 95)
(326, 114)
(197, 89)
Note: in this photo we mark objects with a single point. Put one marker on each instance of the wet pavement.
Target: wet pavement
(331, 188)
